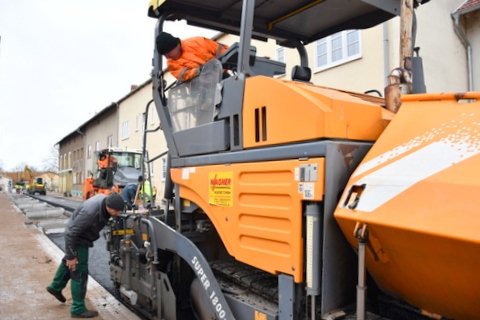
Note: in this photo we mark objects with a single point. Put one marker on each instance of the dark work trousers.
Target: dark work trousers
(79, 278)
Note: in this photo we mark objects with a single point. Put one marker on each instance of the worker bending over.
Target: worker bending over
(185, 58)
(82, 230)
(142, 190)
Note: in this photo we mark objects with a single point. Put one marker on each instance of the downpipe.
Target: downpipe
(463, 37)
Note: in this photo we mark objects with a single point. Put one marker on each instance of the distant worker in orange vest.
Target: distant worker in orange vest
(185, 58)
(104, 160)
(107, 165)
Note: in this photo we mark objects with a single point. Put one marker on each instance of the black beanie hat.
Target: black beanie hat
(115, 201)
(166, 42)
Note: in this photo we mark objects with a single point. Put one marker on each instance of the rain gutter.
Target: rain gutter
(456, 15)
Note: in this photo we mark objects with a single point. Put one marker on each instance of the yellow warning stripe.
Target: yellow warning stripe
(155, 3)
(270, 24)
(123, 232)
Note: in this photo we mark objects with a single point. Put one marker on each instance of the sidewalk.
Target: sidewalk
(28, 262)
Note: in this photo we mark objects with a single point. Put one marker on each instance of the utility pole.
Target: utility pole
(400, 79)
(406, 23)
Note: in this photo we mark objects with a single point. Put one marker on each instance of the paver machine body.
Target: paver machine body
(258, 165)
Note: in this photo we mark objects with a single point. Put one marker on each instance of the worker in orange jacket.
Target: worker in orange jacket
(107, 165)
(185, 58)
(104, 161)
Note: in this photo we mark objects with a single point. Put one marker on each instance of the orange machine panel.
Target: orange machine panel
(257, 208)
(418, 190)
(278, 111)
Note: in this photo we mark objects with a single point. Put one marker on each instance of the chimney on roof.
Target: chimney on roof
(133, 87)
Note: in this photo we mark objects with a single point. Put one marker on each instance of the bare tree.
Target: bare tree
(51, 162)
(20, 167)
(51, 168)
(17, 171)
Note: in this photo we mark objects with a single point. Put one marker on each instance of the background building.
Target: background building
(6, 183)
(134, 117)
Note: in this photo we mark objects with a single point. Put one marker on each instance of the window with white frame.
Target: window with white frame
(280, 54)
(89, 151)
(136, 122)
(109, 141)
(280, 57)
(337, 49)
(97, 146)
(125, 133)
(152, 115)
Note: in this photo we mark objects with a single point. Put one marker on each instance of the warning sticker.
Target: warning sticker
(308, 190)
(309, 172)
(221, 188)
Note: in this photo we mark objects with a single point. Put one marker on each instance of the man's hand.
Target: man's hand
(72, 264)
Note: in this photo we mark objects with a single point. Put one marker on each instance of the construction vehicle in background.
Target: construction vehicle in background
(33, 184)
(262, 221)
(112, 170)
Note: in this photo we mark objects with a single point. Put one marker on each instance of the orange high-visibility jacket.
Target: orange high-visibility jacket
(104, 163)
(195, 52)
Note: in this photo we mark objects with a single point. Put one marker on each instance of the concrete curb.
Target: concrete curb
(98, 298)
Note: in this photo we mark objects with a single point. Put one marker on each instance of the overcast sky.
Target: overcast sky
(62, 61)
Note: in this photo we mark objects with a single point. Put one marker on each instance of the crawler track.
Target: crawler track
(258, 281)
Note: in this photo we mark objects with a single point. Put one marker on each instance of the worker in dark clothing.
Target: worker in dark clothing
(130, 191)
(82, 230)
(185, 58)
